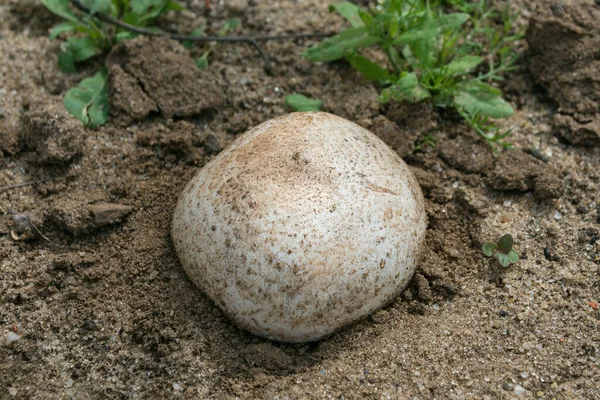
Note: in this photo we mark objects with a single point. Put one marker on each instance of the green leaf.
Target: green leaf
(503, 259)
(101, 6)
(125, 35)
(202, 62)
(148, 10)
(196, 32)
(489, 248)
(505, 243)
(66, 61)
(368, 68)
(88, 102)
(64, 27)
(406, 88)
(298, 102)
(513, 256)
(339, 45)
(348, 11)
(432, 27)
(366, 17)
(82, 48)
(61, 8)
(478, 98)
(462, 65)
(229, 25)
(141, 7)
(174, 6)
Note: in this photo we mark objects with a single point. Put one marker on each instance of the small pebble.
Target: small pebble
(507, 203)
(12, 391)
(581, 209)
(519, 390)
(550, 254)
(177, 387)
(12, 337)
(88, 325)
(557, 215)
(524, 375)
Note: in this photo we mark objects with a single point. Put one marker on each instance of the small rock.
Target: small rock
(89, 325)
(12, 337)
(550, 254)
(519, 390)
(177, 387)
(12, 391)
(82, 212)
(237, 6)
(423, 289)
(212, 145)
(108, 213)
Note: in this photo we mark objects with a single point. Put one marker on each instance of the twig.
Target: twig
(251, 40)
(18, 185)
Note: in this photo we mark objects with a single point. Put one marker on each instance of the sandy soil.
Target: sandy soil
(99, 307)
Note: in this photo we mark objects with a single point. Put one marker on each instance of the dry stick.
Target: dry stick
(251, 40)
(18, 185)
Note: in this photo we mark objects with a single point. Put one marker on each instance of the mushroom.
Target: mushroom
(304, 225)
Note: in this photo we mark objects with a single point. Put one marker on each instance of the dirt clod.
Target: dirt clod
(467, 154)
(53, 133)
(128, 101)
(563, 58)
(267, 356)
(516, 170)
(166, 74)
(82, 213)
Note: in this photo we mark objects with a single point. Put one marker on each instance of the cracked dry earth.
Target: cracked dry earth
(99, 307)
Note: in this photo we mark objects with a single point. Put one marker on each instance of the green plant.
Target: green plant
(89, 37)
(93, 36)
(446, 58)
(202, 61)
(502, 250)
(426, 141)
(298, 102)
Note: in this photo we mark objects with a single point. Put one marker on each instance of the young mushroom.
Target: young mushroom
(305, 224)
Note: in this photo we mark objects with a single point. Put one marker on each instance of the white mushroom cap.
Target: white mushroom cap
(305, 224)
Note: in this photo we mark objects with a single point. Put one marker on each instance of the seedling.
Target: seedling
(502, 250)
(432, 56)
(202, 61)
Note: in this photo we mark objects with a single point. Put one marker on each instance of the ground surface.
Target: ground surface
(102, 309)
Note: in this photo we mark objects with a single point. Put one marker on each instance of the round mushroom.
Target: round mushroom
(305, 224)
